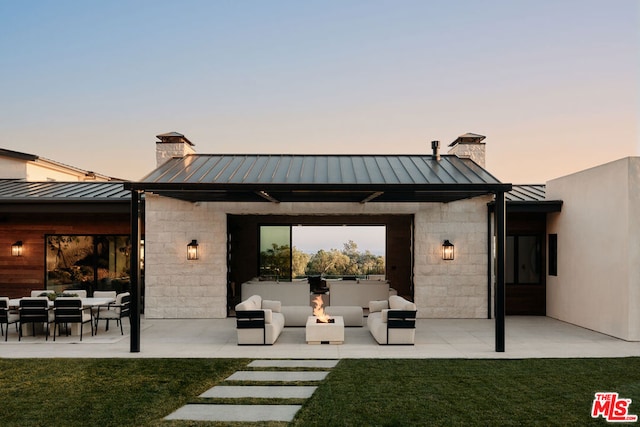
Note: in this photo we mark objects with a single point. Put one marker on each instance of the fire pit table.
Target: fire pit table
(325, 333)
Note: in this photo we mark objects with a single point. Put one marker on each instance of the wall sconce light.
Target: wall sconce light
(447, 251)
(192, 250)
(16, 248)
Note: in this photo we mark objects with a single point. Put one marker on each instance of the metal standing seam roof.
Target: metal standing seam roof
(527, 193)
(319, 169)
(319, 178)
(29, 191)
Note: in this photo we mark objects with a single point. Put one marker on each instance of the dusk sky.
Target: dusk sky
(553, 84)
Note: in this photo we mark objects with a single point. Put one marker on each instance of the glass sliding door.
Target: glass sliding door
(275, 252)
(88, 262)
(70, 262)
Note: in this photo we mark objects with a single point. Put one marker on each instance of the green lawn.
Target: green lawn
(140, 392)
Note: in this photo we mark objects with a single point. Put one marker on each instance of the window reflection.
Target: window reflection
(88, 262)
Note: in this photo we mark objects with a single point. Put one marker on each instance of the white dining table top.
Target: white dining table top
(86, 302)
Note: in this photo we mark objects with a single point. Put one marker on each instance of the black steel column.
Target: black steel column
(489, 263)
(500, 263)
(134, 317)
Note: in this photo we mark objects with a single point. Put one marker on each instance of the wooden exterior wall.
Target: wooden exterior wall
(20, 275)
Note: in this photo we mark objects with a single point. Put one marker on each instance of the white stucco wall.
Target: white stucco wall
(12, 168)
(36, 171)
(48, 172)
(177, 288)
(598, 281)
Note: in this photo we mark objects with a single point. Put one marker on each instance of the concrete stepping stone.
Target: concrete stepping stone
(257, 413)
(269, 392)
(293, 364)
(283, 376)
(230, 413)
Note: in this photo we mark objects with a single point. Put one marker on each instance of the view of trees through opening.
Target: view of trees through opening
(290, 252)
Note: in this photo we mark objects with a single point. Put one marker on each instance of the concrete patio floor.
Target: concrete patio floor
(526, 337)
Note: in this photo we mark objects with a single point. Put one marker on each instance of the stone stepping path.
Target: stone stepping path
(280, 376)
(257, 413)
(282, 392)
(231, 413)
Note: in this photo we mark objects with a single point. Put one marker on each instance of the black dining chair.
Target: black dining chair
(7, 317)
(69, 310)
(34, 311)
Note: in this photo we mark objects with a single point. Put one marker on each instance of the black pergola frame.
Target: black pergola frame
(300, 192)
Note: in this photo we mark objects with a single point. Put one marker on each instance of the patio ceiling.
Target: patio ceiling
(320, 178)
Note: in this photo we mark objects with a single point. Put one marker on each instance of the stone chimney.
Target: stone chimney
(170, 145)
(469, 146)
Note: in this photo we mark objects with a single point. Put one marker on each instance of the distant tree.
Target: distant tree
(299, 261)
(349, 261)
(276, 261)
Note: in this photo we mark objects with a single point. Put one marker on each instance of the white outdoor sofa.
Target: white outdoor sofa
(258, 321)
(350, 292)
(288, 293)
(392, 321)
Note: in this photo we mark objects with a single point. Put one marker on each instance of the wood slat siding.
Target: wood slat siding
(20, 275)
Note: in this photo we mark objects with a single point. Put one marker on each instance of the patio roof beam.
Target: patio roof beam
(372, 196)
(267, 196)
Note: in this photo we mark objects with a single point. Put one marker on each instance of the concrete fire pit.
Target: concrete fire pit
(325, 333)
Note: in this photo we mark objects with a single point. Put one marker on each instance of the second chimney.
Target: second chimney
(435, 146)
(170, 145)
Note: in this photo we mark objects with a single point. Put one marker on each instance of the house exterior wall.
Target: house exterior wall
(28, 170)
(177, 288)
(40, 172)
(12, 168)
(20, 275)
(598, 281)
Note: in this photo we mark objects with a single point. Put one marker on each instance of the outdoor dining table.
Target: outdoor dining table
(87, 303)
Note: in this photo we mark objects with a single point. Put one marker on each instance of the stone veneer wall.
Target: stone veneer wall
(174, 286)
(457, 288)
(168, 150)
(475, 152)
(177, 288)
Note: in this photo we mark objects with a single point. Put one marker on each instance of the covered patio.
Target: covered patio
(528, 337)
(443, 193)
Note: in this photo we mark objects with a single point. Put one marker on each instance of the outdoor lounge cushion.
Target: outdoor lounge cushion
(378, 321)
(296, 315)
(351, 315)
(273, 321)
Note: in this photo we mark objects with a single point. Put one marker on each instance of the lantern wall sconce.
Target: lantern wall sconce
(16, 248)
(447, 251)
(192, 250)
